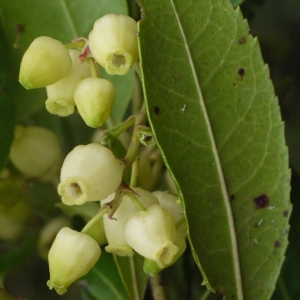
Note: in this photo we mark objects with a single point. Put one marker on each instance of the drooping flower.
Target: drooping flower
(89, 173)
(152, 234)
(46, 61)
(71, 256)
(113, 43)
(94, 98)
(114, 227)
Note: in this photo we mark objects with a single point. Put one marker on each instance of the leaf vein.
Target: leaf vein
(237, 269)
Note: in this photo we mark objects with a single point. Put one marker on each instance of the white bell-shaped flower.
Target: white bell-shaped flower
(152, 233)
(36, 152)
(71, 256)
(61, 94)
(46, 61)
(89, 173)
(117, 243)
(113, 43)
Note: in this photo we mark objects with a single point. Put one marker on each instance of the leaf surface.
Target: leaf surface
(217, 123)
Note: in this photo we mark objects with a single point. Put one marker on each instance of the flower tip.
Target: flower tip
(59, 107)
(166, 254)
(150, 267)
(59, 290)
(25, 83)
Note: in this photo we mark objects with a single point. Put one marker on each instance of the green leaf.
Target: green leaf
(132, 275)
(217, 123)
(104, 281)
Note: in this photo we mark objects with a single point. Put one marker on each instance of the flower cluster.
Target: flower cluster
(135, 220)
(70, 75)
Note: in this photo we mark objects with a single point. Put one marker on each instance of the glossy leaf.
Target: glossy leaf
(132, 275)
(217, 123)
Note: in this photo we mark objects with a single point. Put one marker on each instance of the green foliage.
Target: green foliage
(211, 102)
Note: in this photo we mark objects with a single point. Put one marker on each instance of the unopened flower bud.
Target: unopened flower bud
(36, 152)
(152, 233)
(61, 94)
(117, 243)
(94, 98)
(113, 43)
(89, 173)
(71, 256)
(46, 61)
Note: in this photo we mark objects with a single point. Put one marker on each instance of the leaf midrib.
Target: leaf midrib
(69, 18)
(236, 262)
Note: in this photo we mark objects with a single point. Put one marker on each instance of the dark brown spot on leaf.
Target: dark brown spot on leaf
(156, 110)
(241, 72)
(261, 201)
(277, 244)
(242, 40)
(232, 197)
(285, 213)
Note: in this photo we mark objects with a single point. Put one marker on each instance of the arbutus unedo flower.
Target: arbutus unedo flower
(46, 61)
(71, 256)
(113, 43)
(89, 173)
(117, 243)
(152, 234)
